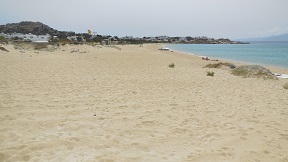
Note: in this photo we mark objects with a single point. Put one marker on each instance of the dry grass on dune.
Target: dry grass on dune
(253, 71)
(3, 49)
(220, 65)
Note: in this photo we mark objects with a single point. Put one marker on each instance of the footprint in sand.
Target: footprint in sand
(226, 152)
(21, 158)
(148, 123)
(266, 152)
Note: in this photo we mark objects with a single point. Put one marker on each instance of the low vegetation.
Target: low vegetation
(210, 73)
(253, 71)
(40, 46)
(285, 86)
(221, 64)
(3, 40)
(172, 65)
(24, 46)
(3, 49)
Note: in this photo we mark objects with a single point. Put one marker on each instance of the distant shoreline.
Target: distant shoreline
(225, 59)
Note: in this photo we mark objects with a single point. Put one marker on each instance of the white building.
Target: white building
(127, 37)
(151, 39)
(72, 38)
(28, 37)
(183, 39)
(163, 38)
(76, 38)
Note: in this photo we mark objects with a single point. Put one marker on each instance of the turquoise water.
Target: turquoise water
(261, 53)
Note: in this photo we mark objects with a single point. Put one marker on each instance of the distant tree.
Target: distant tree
(98, 38)
(17, 38)
(2, 39)
(189, 38)
(86, 36)
(79, 39)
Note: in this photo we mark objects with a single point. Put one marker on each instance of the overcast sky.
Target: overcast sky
(213, 18)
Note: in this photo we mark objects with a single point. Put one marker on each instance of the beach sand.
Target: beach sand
(109, 105)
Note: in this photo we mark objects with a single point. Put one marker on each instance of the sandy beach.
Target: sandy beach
(109, 105)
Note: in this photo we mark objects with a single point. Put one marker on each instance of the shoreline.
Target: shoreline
(236, 61)
(277, 68)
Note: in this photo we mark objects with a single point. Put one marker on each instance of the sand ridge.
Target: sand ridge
(105, 104)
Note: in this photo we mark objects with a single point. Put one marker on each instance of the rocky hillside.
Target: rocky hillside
(36, 28)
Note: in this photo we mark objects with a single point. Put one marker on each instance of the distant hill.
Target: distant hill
(36, 28)
(282, 37)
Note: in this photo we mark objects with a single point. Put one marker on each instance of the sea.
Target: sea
(259, 53)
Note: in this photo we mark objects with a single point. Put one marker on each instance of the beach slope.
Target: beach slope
(85, 103)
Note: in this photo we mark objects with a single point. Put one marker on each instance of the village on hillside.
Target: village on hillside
(41, 33)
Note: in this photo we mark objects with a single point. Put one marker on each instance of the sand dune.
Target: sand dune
(105, 104)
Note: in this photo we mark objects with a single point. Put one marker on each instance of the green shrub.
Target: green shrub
(285, 86)
(172, 65)
(3, 40)
(210, 73)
